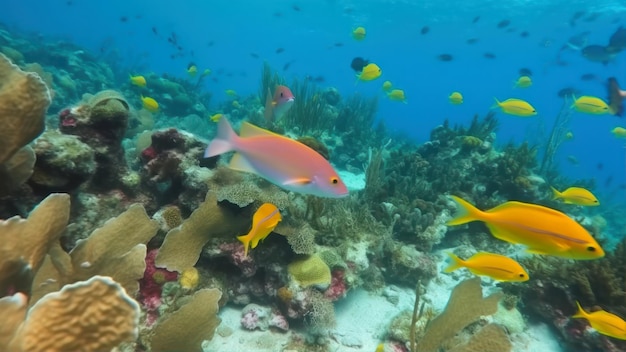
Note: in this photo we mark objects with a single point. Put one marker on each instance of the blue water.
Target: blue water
(223, 34)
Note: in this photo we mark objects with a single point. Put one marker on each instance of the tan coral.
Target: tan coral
(186, 328)
(24, 99)
(491, 338)
(92, 315)
(17, 170)
(182, 245)
(25, 242)
(13, 311)
(117, 249)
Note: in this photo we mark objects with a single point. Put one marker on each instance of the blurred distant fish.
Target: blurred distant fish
(254, 55)
(231, 93)
(359, 33)
(358, 63)
(338, 44)
(279, 50)
(472, 41)
(489, 55)
(618, 39)
(523, 82)
(616, 97)
(525, 72)
(575, 17)
(619, 132)
(524, 34)
(445, 57)
(592, 17)
(476, 19)
(124, 19)
(455, 98)
(573, 160)
(599, 53)
(577, 42)
(288, 64)
(387, 86)
(277, 105)
(397, 95)
(588, 77)
(296, 8)
(503, 23)
(192, 69)
(425, 30)
(139, 81)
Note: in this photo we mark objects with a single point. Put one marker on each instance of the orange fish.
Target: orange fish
(283, 161)
(496, 266)
(541, 229)
(277, 107)
(263, 223)
(604, 322)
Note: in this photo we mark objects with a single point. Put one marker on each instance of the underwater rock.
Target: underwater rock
(63, 162)
(100, 121)
(255, 317)
(408, 264)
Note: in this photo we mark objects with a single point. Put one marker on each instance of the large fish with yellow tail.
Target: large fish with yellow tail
(604, 322)
(576, 195)
(282, 161)
(541, 229)
(265, 219)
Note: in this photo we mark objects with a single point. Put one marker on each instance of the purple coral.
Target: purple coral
(255, 317)
(235, 253)
(151, 286)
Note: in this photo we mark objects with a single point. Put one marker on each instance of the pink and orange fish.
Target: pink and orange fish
(278, 105)
(280, 160)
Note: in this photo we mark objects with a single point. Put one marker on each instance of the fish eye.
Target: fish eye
(591, 249)
(334, 180)
(522, 275)
(281, 94)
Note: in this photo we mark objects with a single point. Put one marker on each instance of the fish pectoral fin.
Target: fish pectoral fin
(240, 163)
(302, 181)
(536, 251)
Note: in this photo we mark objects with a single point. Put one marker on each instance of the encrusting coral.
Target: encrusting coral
(309, 271)
(92, 315)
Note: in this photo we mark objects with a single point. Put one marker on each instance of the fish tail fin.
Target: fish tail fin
(580, 313)
(497, 104)
(465, 213)
(245, 239)
(555, 193)
(225, 140)
(455, 263)
(269, 107)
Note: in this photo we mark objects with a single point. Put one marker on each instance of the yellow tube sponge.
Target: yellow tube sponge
(92, 315)
(311, 270)
(24, 99)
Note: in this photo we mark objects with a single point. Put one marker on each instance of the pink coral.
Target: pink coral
(278, 320)
(150, 286)
(338, 287)
(235, 253)
(250, 319)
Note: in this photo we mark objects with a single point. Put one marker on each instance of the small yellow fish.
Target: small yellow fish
(397, 95)
(576, 195)
(516, 107)
(496, 266)
(150, 104)
(192, 69)
(358, 33)
(216, 117)
(206, 72)
(541, 229)
(456, 98)
(619, 132)
(569, 136)
(265, 219)
(236, 104)
(591, 105)
(387, 86)
(139, 81)
(523, 82)
(380, 347)
(231, 93)
(604, 322)
(369, 73)
(189, 278)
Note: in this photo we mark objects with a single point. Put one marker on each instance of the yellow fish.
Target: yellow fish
(523, 82)
(604, 322)
(358, 33)
(397, 95)
(387, 86)
(139, 81)
(569, 136)
(576, 195)
(496, 266)
(591, 105)
(150, 104)
(231, 93)
(369, 73)
(206, 72)
(265, 219)
(516, 107)
(380, 347)
(236, 104)
(619, 132)
(216, 117)
(541, 229)
(192, 69)
(456, 98)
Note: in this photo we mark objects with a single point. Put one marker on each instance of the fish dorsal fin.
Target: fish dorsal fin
(240, 163)
(302, 181)
(535, 207)
(250, 130)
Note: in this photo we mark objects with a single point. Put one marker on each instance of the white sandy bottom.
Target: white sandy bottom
(362, 321)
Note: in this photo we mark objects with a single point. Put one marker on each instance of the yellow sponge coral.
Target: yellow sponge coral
(189, 278)
(311, 270)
